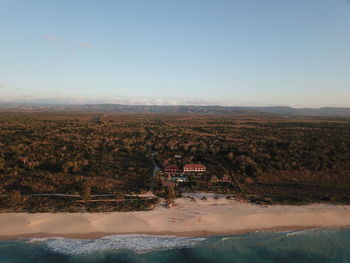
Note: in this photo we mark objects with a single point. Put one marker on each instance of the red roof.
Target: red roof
(194, 166)
(171, 168)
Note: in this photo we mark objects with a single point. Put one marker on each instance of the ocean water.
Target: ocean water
(329, 245)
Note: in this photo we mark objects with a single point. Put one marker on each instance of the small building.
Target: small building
(197, 168)
(226, 179)
(171, 169)
(178, 156)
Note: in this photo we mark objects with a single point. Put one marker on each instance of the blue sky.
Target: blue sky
(229, 52)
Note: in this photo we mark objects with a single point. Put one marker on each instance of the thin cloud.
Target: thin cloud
(51, 37)
(2, 85)
(84, 44)
(69, 52)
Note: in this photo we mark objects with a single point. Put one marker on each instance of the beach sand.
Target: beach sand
(187, 218)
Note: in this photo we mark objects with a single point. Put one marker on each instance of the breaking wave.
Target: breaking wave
(136, 243)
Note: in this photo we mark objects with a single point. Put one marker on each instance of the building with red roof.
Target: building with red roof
(171, 169)
(194, 168)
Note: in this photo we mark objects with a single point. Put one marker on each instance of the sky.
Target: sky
(199, 52)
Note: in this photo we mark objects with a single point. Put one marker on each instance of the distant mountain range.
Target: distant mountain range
(118, 108)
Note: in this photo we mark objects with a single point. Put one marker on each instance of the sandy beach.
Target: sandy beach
(187, 218)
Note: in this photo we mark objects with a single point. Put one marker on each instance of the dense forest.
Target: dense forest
(100, 162)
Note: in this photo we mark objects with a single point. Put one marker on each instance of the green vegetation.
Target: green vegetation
(170, 195)
(269, 159)
(72, 154)
(91, 157)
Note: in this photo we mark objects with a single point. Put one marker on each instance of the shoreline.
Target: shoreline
(204, 234)
(213, 217)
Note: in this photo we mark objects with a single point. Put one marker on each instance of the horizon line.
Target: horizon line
(68, 104)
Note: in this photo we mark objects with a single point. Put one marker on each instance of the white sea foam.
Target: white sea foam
(136, 243)
(301, 232)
